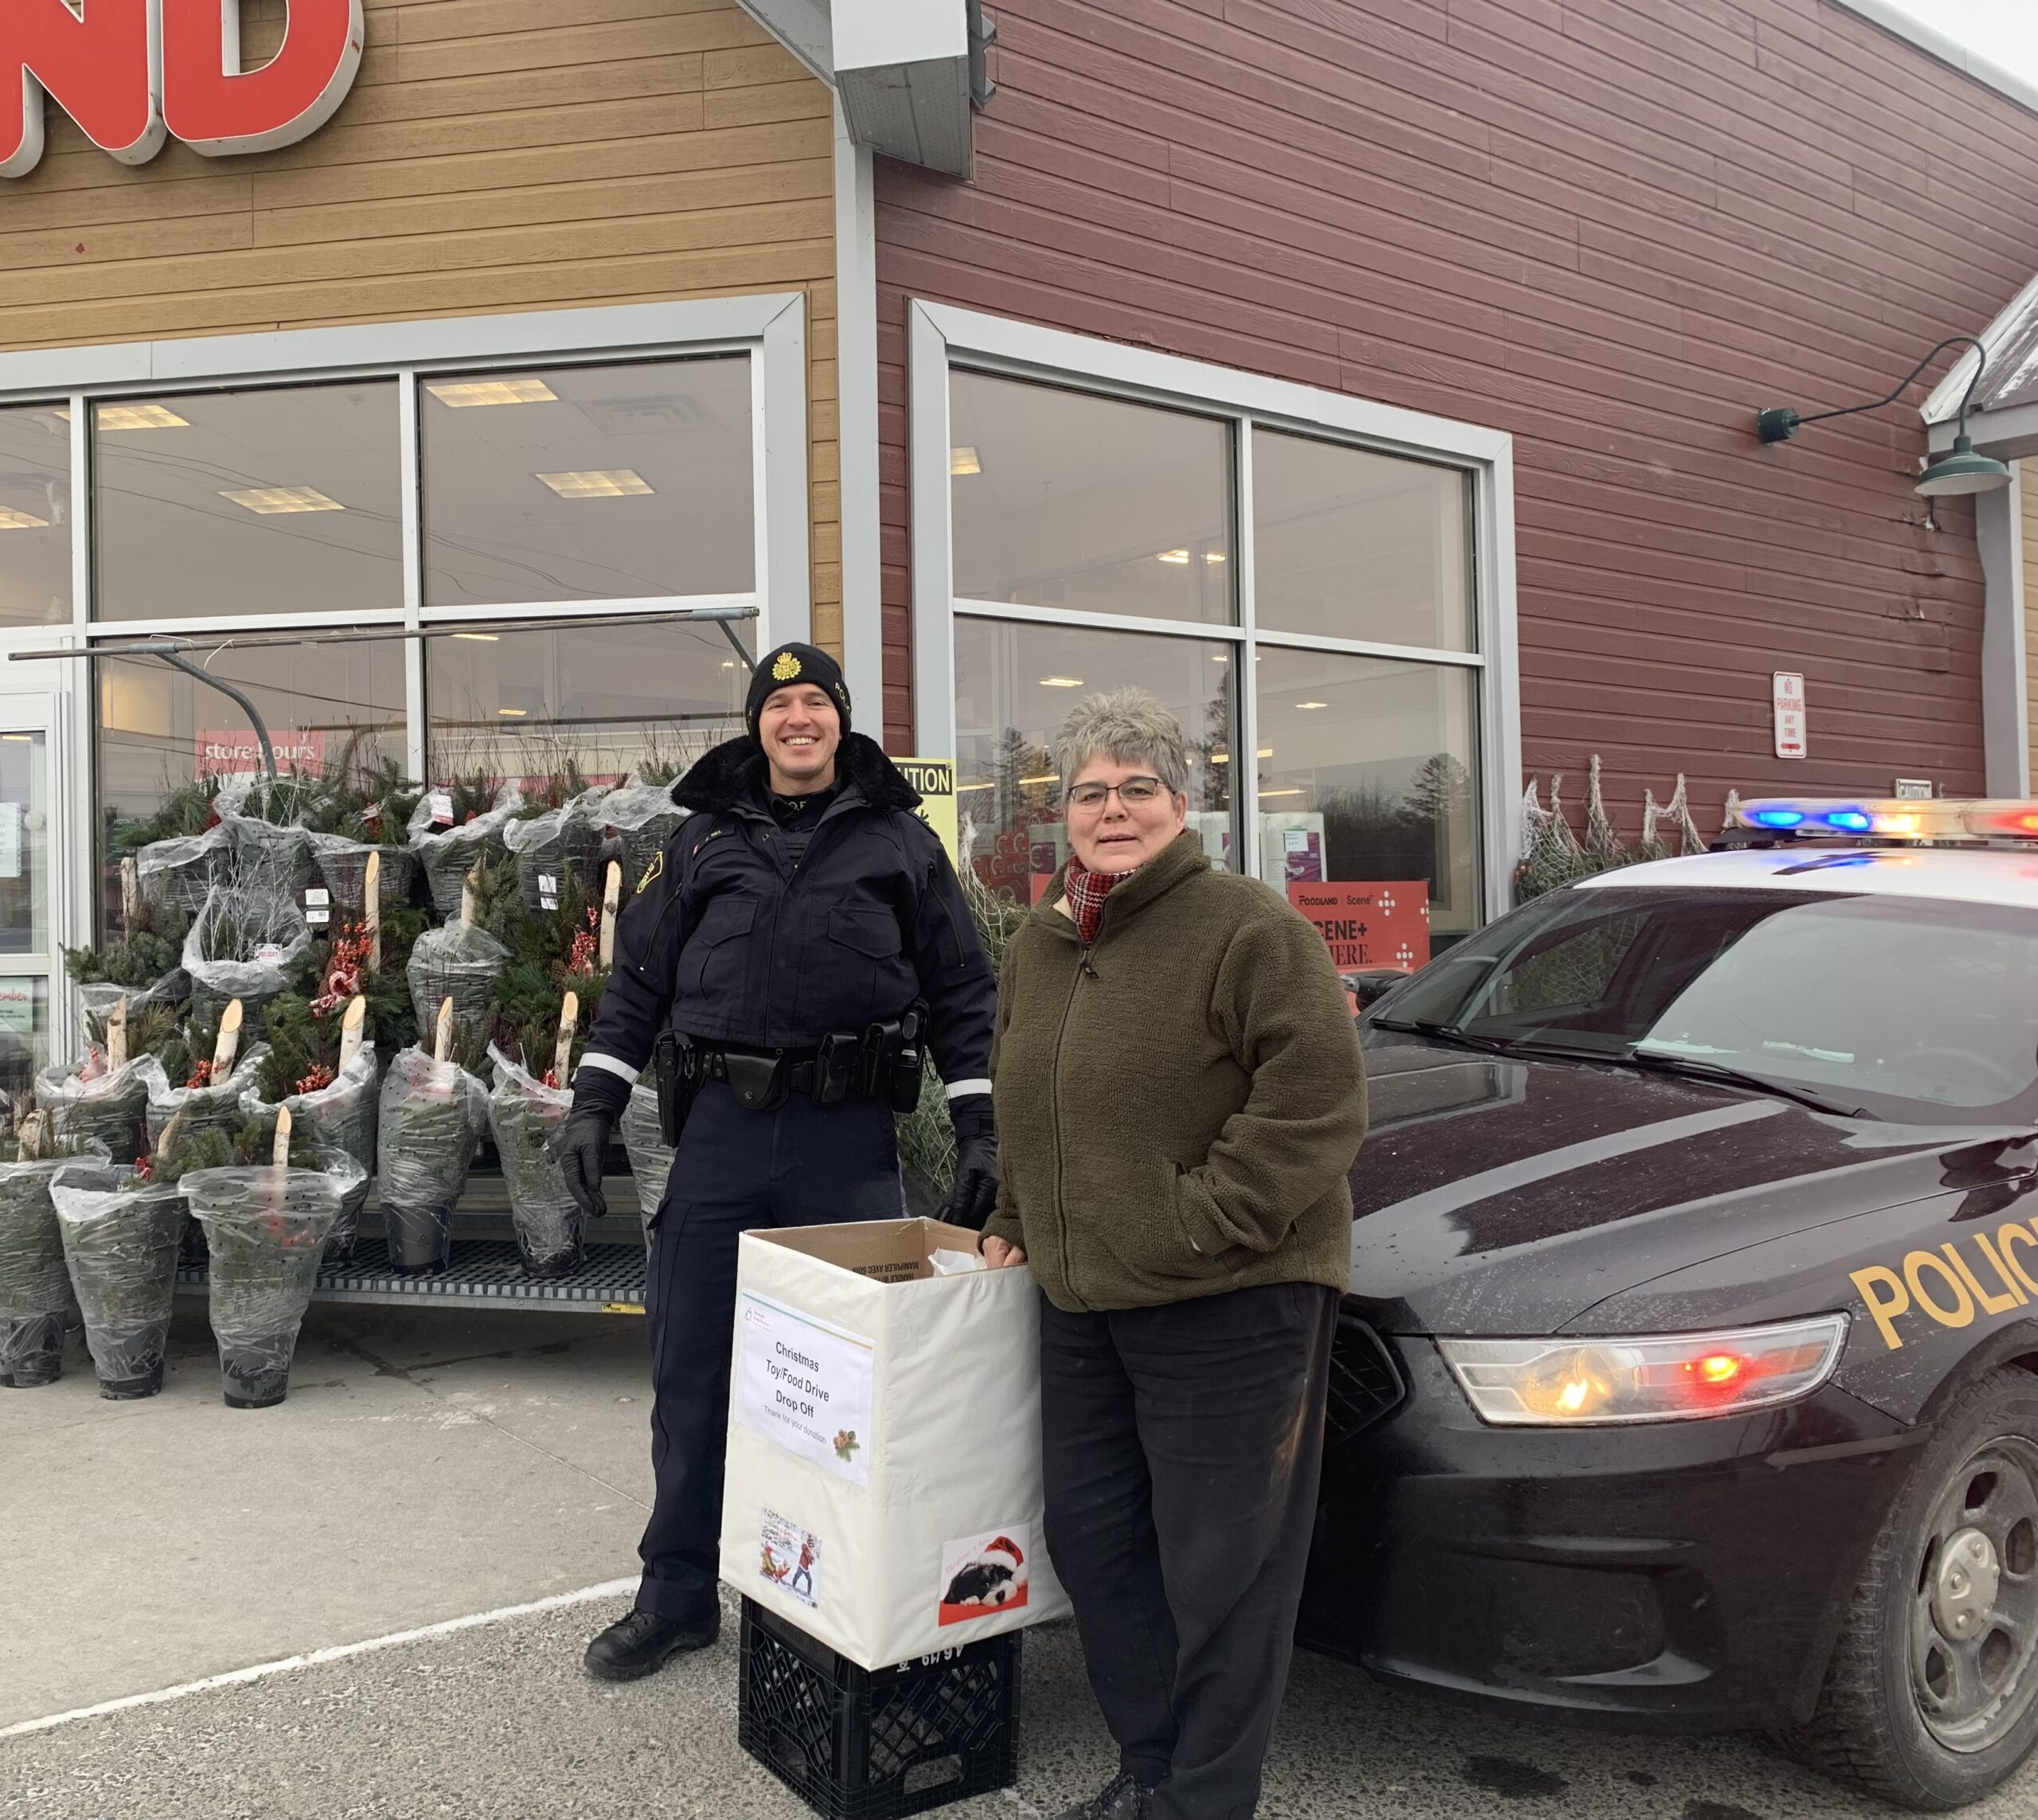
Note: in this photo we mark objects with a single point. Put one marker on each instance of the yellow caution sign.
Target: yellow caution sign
(935, 778)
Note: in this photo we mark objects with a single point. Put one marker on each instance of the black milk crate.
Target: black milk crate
(858, 1744)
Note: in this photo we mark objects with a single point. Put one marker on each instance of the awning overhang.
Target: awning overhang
(910, 72)
(2002, 416)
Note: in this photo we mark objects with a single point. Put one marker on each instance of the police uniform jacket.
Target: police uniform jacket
(732, 938)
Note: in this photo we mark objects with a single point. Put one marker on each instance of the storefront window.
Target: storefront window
(1015, 682)
(35, 516)
(1366, 770)
(525, 705)
(264, 503)
(1066, 499)
(1351, 545)
(588, 484)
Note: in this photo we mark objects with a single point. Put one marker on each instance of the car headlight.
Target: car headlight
(1674, 1378)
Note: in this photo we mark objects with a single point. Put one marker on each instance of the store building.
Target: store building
(1399, 356)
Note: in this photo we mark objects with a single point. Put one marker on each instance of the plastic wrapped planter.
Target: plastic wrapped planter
(182, 871)
(120, 1240)
(343, 864)
(651, 1163)
(216, 1103)
(97, 1000)
(459, 962)
(646, 816)
(448, 854)
(267, 1229)
(338, 1117)
(560, 844)
(34, 1292)
(111, 1109)
(263, 857)
(525, 1116)
(431, 1115)
(242, 945)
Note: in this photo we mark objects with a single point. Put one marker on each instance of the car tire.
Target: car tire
(1930, 1701)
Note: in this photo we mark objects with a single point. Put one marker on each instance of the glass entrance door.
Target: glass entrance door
(29, 970)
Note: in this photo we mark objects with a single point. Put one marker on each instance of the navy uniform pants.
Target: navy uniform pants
(734, 1171)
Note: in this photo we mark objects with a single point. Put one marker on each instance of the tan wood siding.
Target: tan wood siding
(490, 158)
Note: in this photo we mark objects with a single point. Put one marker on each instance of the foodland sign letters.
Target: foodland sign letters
(134, 72)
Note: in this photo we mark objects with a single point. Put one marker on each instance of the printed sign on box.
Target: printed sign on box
(807, 1386)
(1374, 925)
(789, 1556)
(986, 1573)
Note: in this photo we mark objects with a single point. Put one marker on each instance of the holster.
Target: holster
(758, 1081)
(678, 1063)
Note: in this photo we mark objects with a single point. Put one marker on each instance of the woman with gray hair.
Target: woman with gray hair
(1180, 1098)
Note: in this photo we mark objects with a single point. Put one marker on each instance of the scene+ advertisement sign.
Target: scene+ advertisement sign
(935, 780)
(223, 752)
(805, 1384)
(1369, 925)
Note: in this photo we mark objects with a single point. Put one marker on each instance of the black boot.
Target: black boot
(643, 1642)
(1123, 1798)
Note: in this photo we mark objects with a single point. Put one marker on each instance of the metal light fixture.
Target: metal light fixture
(1961, 471)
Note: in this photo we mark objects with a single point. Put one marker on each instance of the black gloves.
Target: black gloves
(974, 1196)
(599, 1096)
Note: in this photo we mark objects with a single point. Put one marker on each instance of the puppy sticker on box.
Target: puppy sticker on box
(789, 1556)
(981, 1575)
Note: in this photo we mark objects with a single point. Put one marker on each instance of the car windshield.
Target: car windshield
(1905, 1009)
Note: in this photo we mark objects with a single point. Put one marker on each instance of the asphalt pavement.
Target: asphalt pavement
(428, 1467)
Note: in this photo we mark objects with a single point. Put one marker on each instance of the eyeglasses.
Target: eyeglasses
(1134, 789)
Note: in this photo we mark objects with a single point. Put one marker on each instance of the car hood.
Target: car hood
(1503, 1197)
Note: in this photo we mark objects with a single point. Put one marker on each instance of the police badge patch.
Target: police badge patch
(651, 873)
(786, 668)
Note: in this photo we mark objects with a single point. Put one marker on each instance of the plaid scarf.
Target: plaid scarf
(1086, 892)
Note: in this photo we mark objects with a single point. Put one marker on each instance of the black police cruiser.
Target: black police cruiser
(1688, 1379)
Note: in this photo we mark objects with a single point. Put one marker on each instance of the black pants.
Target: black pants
(734, 1171)
(1182, 1447)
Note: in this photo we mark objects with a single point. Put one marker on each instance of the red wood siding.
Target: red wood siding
(1614, 228)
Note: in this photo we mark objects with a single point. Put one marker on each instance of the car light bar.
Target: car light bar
(1893, 818)
(1563, 1383)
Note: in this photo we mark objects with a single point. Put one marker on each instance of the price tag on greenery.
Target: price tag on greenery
(441, 804)
(548, 891)
(269, 954)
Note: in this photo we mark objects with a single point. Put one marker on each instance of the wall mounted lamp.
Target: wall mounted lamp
(1961, 471)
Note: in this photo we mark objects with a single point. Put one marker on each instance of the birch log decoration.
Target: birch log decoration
(116, 1035)
(30, 1135)
(569, 1024)
(611, 897)
(228, 1045)
(469, 912)
(371, 910)
(353, 1027)
(442, 1044)
(130, 892)
(279, 1151)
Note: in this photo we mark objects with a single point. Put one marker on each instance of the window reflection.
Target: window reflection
(1014, 685)
(1067, 499)
(523, 704)
(35, 516)
(588, 484)
(1367, 773)
(279, 502)
(1350, 545)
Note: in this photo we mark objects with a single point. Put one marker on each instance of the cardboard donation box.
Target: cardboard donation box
(883, 1483)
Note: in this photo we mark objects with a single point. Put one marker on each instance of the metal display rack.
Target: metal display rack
(484, 1273)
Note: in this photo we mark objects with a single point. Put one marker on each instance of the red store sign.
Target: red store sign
(133, 72)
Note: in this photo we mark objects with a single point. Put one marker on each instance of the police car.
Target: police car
(1688, 1378)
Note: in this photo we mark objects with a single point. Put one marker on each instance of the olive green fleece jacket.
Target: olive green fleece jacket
(1177, 1108)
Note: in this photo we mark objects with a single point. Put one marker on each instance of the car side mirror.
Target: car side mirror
(1367, 988)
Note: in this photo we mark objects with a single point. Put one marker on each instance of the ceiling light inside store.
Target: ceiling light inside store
(1266, 751)
(1265, 794)
(1061, 682)
(599, 483)
(481, 637)
(1213, 556)
(135, 417)
(513, 713)
(466, 395)
(1179, 558)
(11, 519)
(1221, 758)
(1052, 777)
(269, 501)
(1312, 703)
(963, 461)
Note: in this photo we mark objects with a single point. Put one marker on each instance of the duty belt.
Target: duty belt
(882, 1063)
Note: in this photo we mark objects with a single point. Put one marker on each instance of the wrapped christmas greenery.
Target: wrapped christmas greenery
(337, 972)
(178, 848)
(650, 1161)
(525, 1116)
(265, 1223)
(242, 945)
(35, 1293)
(644, 814)
(120, 1232)
(556, 837)
(457, 827)
(459, 962)
(343, 864)
(148, 953)
(98, 1100)
(431, 1115)
(322, 1069)
(197, 1077)
(268, 848)
(364, 811)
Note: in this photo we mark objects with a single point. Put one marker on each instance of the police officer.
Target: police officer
(781, 955)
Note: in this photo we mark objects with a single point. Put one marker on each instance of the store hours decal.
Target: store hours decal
(805, 1384)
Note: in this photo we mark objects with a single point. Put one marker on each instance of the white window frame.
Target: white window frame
(942, 337)
(770, 329)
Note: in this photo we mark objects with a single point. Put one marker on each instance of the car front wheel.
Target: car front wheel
(1931, 1697)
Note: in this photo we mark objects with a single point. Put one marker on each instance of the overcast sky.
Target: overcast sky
(2003, 31)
